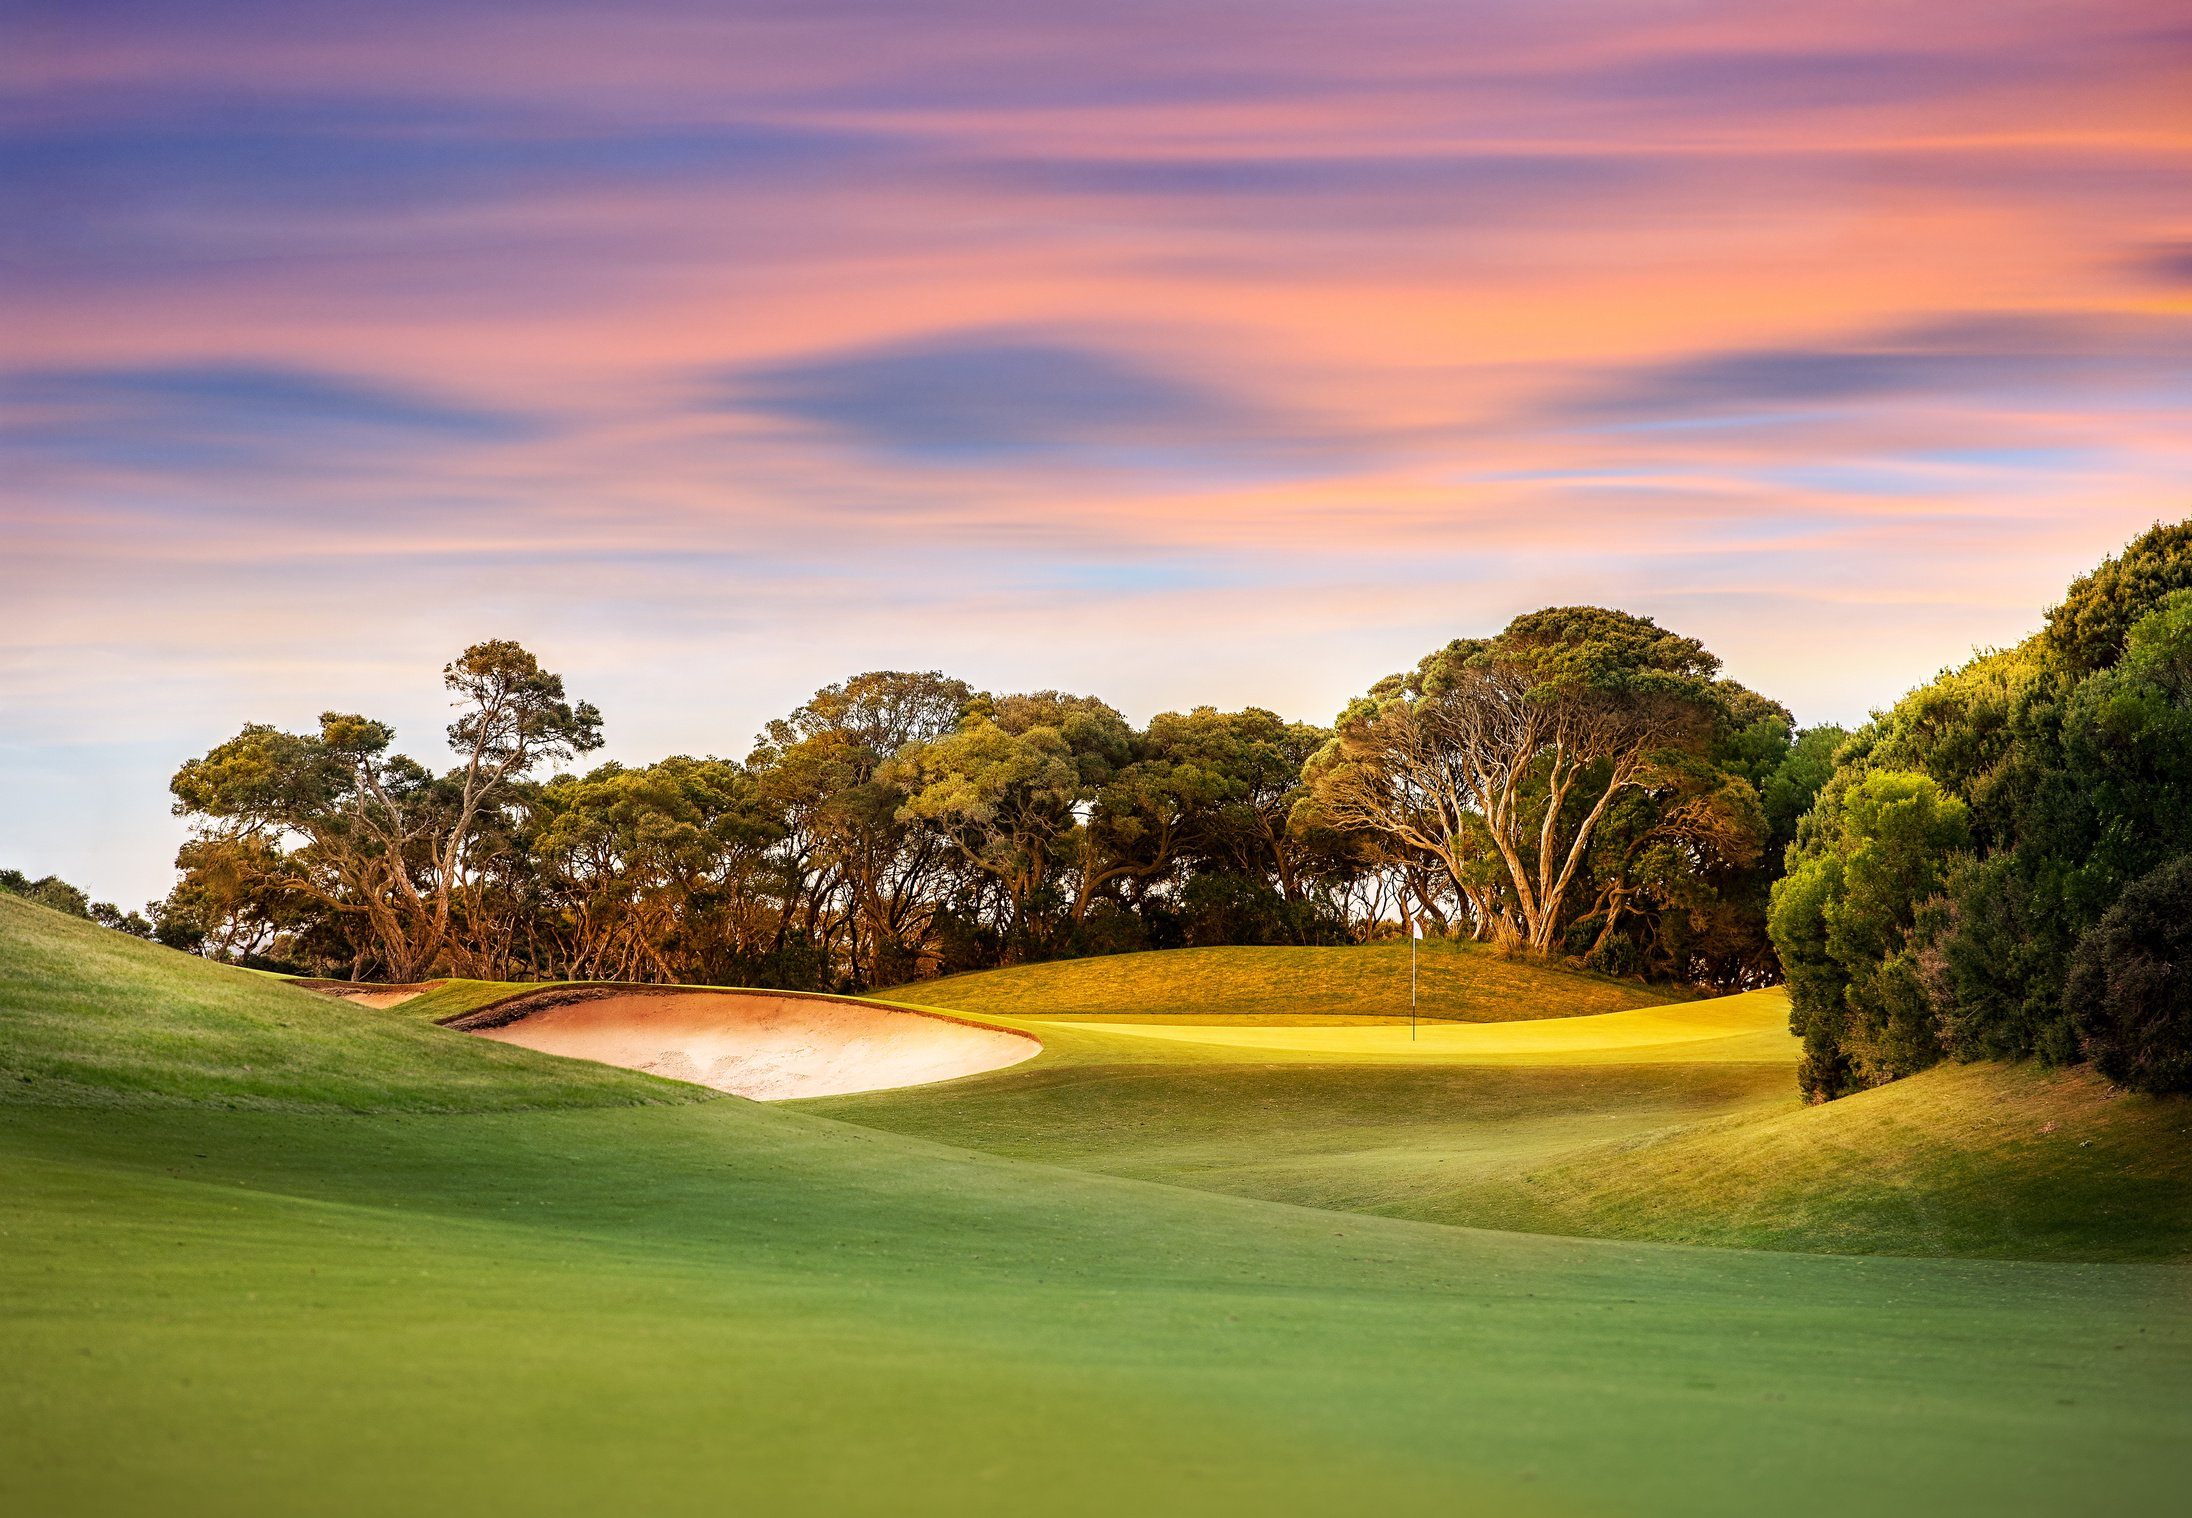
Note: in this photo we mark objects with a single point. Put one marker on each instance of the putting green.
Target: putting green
(1752, 1028)
(1462, 982)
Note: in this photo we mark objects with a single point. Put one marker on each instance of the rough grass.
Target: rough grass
(2008, 1161)
(91, 1016)
(1456, 981)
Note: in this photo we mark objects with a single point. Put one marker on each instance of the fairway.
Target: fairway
(319, 1256)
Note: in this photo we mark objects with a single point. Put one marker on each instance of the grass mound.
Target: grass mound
(93, 1017)
(2007, 1161)
(1567, 1127)
(1457, 982)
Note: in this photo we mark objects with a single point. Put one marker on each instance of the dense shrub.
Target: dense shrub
(2130, 984)
(1975, 838)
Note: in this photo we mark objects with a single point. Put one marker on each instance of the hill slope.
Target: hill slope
(1457, 981)
(91, 1016)
(1556, 1127)
(2007, 1161)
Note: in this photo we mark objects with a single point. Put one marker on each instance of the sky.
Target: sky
(1178, 353)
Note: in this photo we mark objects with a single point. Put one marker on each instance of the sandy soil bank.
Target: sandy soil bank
(359, 995)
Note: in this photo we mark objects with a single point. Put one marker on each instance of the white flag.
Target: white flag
(1418, 927)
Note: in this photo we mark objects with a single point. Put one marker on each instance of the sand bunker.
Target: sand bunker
(758, 1044)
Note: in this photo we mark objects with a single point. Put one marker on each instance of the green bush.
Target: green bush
(2131, 983)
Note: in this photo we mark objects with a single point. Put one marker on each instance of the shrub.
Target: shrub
(2130, 985)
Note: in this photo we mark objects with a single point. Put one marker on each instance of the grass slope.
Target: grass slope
(93, 1017)
(1583, 1126)
(709, 1305)
(1995, 1160)
(1457, 981)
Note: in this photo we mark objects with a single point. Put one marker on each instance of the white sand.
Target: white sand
(767, 1046)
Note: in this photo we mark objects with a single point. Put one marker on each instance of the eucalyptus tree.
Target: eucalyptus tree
(1499, 757)
(858, 869)
(360, 833)
(657, 873)
(1254, 760)
(1008, 790)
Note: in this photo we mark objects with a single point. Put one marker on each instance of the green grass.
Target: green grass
(715, 1305)
(1983, 1161)
(2008, 1161)
(93, 1017)
(1460, 982)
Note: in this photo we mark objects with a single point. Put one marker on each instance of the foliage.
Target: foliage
(2089, 629)
(900, 824)
(2063, 773)
(52, 891)
(1581, 781)
(2130, 983)
(335, 839)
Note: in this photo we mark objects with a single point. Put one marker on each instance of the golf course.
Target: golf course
(1119, 760)
(1234, 1238)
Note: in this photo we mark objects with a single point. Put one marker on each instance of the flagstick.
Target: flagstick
(1413, 940)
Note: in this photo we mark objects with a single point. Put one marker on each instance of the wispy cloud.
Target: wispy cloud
(1311, 335)
(225, 414)
(2061, 359)
(196, 175)
(2171, 263)
(971, 395)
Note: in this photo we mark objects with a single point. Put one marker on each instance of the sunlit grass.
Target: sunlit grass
(272, 1307)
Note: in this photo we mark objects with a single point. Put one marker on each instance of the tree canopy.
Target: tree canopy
(1976, 841)
(1582, 781)
(1607, 799)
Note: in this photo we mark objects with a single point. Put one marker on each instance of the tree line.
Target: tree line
(2001, 865)
(1583, 786)
(52, 891)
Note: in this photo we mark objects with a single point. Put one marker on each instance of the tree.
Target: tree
(1254, 760)
(1511, 749)
(2071, 755)
(854, 861)
(337, 820)
(1007, 786)
(658, 873)
(2089, 629)
(1878, 849)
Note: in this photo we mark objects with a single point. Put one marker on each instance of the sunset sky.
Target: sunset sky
(1178, 353)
